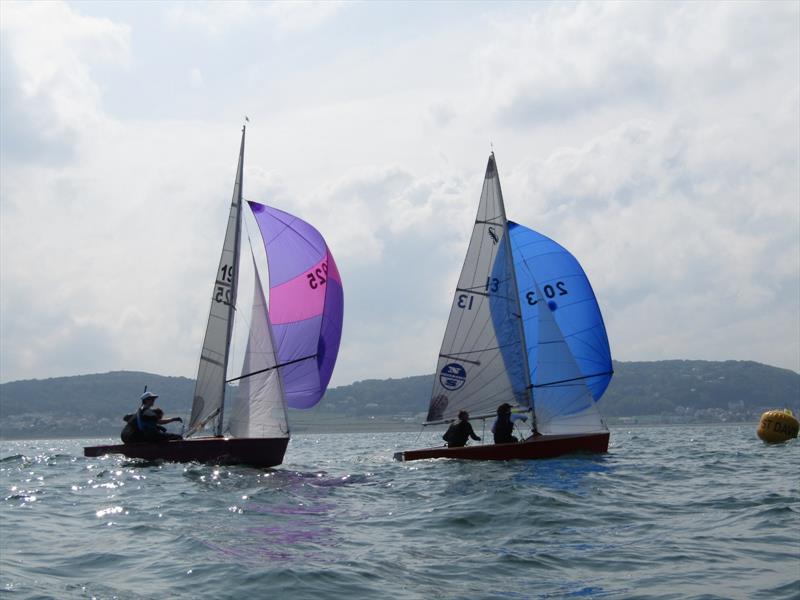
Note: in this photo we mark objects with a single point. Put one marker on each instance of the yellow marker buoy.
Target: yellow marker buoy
(778, 426)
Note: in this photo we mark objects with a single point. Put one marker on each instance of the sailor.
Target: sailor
(503, 426)
(458, 433)
(146, 424)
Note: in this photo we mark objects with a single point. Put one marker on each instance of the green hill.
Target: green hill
(660, 391)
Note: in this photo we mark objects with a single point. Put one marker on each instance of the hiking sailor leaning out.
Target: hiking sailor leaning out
(146, 425)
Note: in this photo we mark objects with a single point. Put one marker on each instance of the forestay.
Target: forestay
(482, 359)
(306, 303)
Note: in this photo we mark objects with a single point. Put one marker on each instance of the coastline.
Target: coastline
(375, 426)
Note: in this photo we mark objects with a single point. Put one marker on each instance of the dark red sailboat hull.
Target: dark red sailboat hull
(541, 446)
(256, 452)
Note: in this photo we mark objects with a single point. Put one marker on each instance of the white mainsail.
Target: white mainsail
(482, 362)
(209, 392)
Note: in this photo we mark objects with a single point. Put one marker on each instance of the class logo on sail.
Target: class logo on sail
(452, 376)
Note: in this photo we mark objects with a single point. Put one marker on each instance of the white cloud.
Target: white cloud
(671, 234)
(213, 18)
(657, 142)
(303, 15)
(196, 78)
(218, 18)
(52, 49)
(48, 92)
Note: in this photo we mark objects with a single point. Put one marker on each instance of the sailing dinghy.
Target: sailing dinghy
(290, 351)
(524, 329)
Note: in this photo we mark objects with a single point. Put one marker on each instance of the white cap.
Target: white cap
(147, 396)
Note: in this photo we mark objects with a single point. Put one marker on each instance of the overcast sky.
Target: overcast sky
(659, 142)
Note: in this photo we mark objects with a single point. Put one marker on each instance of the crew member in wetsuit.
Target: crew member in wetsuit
(503, 426)
(146, 424)
(458, 433)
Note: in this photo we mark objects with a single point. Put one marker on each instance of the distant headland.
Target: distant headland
(669, 391)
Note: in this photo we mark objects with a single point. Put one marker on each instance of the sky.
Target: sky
(659, 142)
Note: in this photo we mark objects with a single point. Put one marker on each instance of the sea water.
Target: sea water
(670, 512)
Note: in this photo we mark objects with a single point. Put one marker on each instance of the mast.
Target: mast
(237, 204)
(517, 306)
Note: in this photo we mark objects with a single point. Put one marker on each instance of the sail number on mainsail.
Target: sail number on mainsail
(223, 293)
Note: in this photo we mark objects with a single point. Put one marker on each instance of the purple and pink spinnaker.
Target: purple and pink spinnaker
(306, 303)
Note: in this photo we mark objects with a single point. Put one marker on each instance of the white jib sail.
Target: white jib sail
(259, 408)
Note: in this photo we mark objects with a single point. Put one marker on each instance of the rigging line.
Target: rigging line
(202, 423)
(291, 362)
(573, 379)
(475, 291)
(421, 429)
(472, 291)
(481, 417)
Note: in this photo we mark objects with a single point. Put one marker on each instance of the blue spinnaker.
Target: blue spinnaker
(547, 273)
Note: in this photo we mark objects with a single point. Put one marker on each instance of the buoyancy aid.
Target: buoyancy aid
(503, 429)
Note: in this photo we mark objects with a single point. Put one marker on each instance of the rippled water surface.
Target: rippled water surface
(669, 512)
